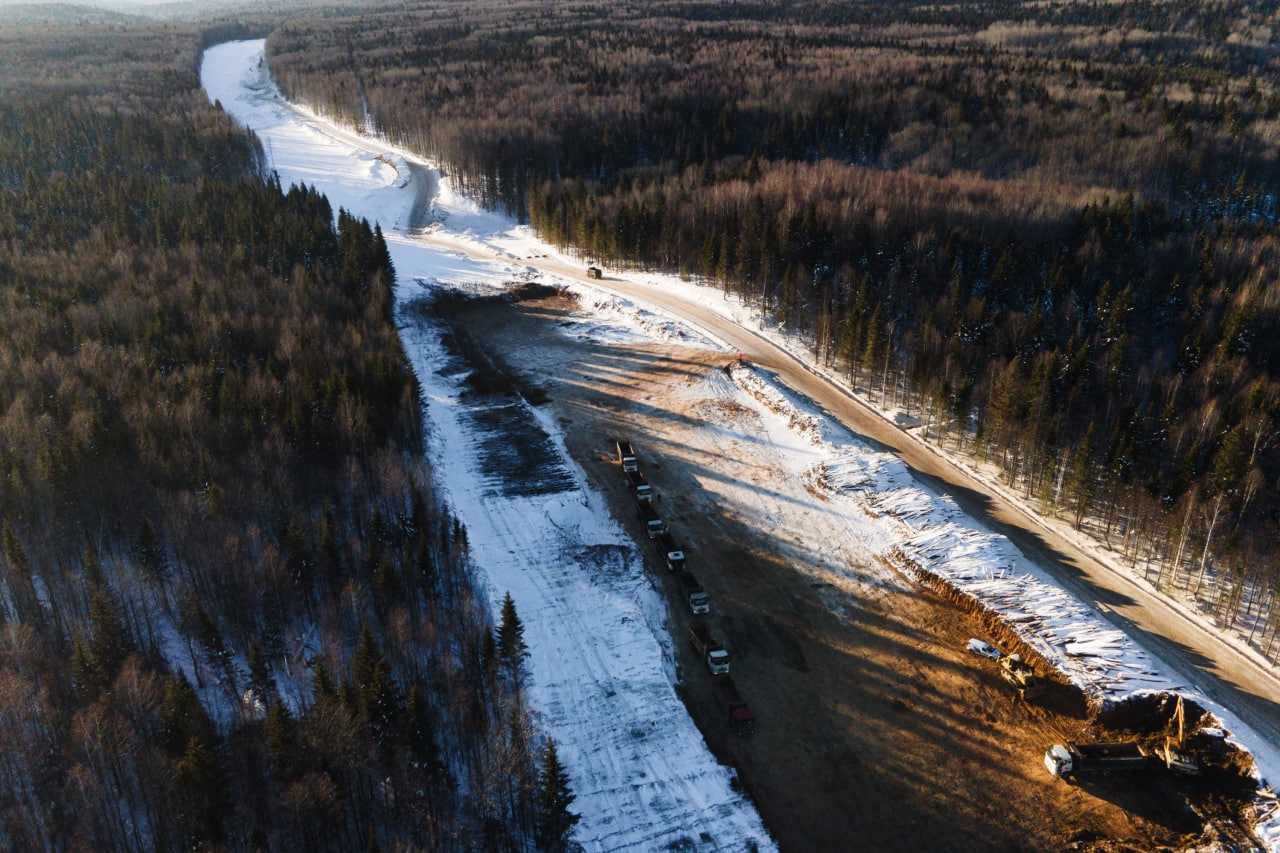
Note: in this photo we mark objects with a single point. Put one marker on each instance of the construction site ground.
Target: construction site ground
(876, 729)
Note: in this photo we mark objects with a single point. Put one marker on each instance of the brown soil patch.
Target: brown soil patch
(876, 730)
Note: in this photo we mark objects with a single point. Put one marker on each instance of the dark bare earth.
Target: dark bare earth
(876, 730)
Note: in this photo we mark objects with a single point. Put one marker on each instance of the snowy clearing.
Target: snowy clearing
(601, 679)
(595, 624)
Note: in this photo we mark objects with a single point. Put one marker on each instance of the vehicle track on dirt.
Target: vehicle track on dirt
(1203, 659)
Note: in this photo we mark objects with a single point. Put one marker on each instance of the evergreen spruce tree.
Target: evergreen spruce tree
(92, 569)
(1081, 484)
(420, 736)
(322, 684)
(201, 793)
(300, 561)
(331, 566)
(554, 820)
(88, 679)
(183, 717)
(110, 643)
(511, 645)
(374, 688)
(489, 654)
(282, 741)
(14, 552)
(260, 681)
(216, 649)
(151, 551)
(25, 601)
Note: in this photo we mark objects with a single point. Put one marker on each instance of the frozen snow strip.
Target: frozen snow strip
(598, 645)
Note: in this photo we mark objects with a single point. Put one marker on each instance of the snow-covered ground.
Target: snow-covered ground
(601, 660)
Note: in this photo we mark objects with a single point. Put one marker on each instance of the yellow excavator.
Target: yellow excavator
(1172, 753)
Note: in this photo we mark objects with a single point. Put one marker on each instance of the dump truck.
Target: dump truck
(1074, 759)
(699, 601)
(594, 272)
(627, 456)
(709, 649)
(671, 552)
(640, 488)
(654, 526)
(730, 700)
(1022, 676)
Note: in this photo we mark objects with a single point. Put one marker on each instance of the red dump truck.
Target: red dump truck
(730, 700)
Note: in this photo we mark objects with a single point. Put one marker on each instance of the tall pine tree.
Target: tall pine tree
(375, 688)
(555, 821)
(511, 645)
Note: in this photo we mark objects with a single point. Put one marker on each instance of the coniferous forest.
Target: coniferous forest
(1050, 231)
(233, 615)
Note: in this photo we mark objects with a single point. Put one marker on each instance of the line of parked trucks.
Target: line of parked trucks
(709, 649)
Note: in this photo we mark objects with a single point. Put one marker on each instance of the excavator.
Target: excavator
(1172, 753)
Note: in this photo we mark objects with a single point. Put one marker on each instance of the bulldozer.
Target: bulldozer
(1022, 677)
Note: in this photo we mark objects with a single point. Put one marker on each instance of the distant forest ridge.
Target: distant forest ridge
(1049, 230)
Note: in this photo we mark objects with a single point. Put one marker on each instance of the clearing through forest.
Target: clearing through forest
(866, 698)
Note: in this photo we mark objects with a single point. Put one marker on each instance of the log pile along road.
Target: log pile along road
(872, 719)
(1199, 654)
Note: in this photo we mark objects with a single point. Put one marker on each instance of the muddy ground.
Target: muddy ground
(876, 730)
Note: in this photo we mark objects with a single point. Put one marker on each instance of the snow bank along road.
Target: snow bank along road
(1200, 655)
(599, 653)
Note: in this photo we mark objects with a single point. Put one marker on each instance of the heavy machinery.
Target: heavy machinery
(1172, 753)
(1076, 759)
(709, 649)
(1022, 677)
(627, 456)
(671, 552)
(730, 700)
(654, 526)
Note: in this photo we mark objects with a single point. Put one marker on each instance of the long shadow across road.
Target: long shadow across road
(1194, 652)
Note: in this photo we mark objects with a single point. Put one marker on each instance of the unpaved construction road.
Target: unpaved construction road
(876, 730)
(1199, 654)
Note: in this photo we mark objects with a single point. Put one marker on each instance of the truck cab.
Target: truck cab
(1057, 760)
(671, 552)
(640, 488)
(699, 601)
(654, 526)
(627, 456)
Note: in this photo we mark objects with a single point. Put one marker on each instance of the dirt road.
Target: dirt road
(1199, 655)
(874, 724)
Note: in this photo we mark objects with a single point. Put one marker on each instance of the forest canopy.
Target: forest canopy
(1048, 229)
(233, 614)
